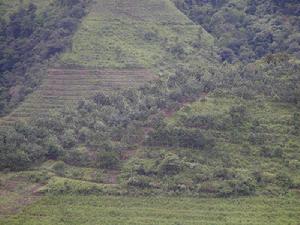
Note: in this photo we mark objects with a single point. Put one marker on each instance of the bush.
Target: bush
(39, 177)
(200, 121)
(107, 160)
(284, 180)
(180, 137)
(54, 149)
(177, 50)
(170, 165)
(77, 158)
(139, 181)
(68, 139)
(270, 152)
(59, 168)
(84, 134)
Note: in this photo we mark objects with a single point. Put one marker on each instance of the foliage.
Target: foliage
(247, 30)
(202, 129)
(28, 40)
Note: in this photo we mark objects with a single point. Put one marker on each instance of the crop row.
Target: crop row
(66, 87)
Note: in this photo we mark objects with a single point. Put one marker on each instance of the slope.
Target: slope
(248, 30)
(122, 35)
(66, 87)
(149, 34)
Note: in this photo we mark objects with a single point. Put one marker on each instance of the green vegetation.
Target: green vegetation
(137, 98)
(165, 211)
(151, 34)
(8, 7)
(234, 144)
(248, 30)
(245, 149)
(63, 88)
(29, 39)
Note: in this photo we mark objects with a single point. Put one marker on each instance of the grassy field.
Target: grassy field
(96, 210)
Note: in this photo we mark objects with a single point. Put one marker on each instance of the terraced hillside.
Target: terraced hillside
(65, 87)
(150, 34)
(120, 36)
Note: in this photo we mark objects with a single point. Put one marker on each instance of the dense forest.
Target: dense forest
(228, 130)
(248, 30)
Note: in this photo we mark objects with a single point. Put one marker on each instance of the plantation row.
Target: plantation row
(66, 87)
(161, 11)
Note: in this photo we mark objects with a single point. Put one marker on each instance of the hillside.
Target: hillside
(139, 34)
(154, 45)
(64, 88)
(32, 35)
(248, 30)
(107, 39)
(149, 34)
(197, 99)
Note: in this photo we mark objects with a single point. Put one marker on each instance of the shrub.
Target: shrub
(59, 168)
(68, 138)
(77, 158)
(107, 160)
(84, 134)
(284, 180)
(170, 165)
(201, 121)
(139, 181)
(270, 152)
(54, 149)
(175, 136)
(177, 50)
(39, 177)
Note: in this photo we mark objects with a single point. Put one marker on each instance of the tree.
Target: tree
(68, 138)
(107, 160)
(227, 55)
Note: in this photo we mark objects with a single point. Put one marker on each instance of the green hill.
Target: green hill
(135, 98)
(149, 34)
(107, 38)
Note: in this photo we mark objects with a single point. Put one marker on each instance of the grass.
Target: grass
(107, 210)
(75, 172)
(122, 34)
